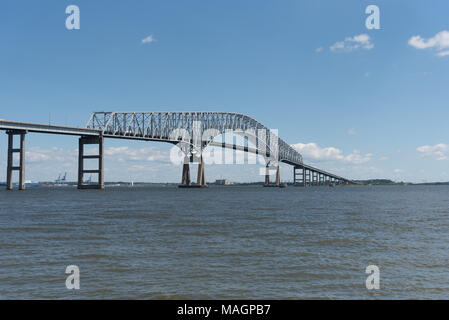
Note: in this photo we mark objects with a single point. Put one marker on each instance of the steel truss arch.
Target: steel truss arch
(162, 126)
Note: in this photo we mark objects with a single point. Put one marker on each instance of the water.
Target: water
(225, 242)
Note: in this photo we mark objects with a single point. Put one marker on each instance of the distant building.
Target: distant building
(223, 182)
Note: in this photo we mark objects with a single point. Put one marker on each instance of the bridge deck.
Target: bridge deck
(77, 131)
(47, 128)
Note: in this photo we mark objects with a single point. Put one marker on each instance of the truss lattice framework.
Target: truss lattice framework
(174, 127)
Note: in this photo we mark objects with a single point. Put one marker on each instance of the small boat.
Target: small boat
(283, 185)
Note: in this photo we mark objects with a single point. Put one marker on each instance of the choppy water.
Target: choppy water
(225, 242)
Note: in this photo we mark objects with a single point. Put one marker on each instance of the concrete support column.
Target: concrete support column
(101, 162)
(278, 176)
(303, 176)
(186, 172)
(267, 175)
(81, 157)
(296, 172)
(80, 163)
(22, 162)
(201, 177)
(10, 165)
(294, 175)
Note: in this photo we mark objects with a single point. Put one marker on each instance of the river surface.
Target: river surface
(225, 242)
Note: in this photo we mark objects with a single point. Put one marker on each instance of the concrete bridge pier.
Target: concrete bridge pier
(186, 172)
(278, 176)
(299, 171)
(86, 140)
(303, 176)
(267, 177)
(201, 176)
(10, 165)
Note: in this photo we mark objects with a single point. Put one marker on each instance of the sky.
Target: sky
(361, 103)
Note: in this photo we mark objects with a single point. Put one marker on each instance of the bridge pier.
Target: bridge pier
(303, 176)
(201, 176)
(301, 181)
(186, 172)
(10, 165)
(267, 177)
(81, 157)
(278, 176)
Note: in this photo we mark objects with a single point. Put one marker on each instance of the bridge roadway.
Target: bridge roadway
(303, 174)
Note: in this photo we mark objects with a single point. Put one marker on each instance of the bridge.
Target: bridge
(192, 132)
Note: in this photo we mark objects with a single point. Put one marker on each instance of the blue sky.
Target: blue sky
(377, 108)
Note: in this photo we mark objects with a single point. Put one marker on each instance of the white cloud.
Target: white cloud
(443, 53)
(318, 50)
(439, 151)
(439, 42)
(123, 154)
(384, 158)
(39, 155)
(120, 154)
(357, 158)
(148, 39)
(312, 151)
(361, 41)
